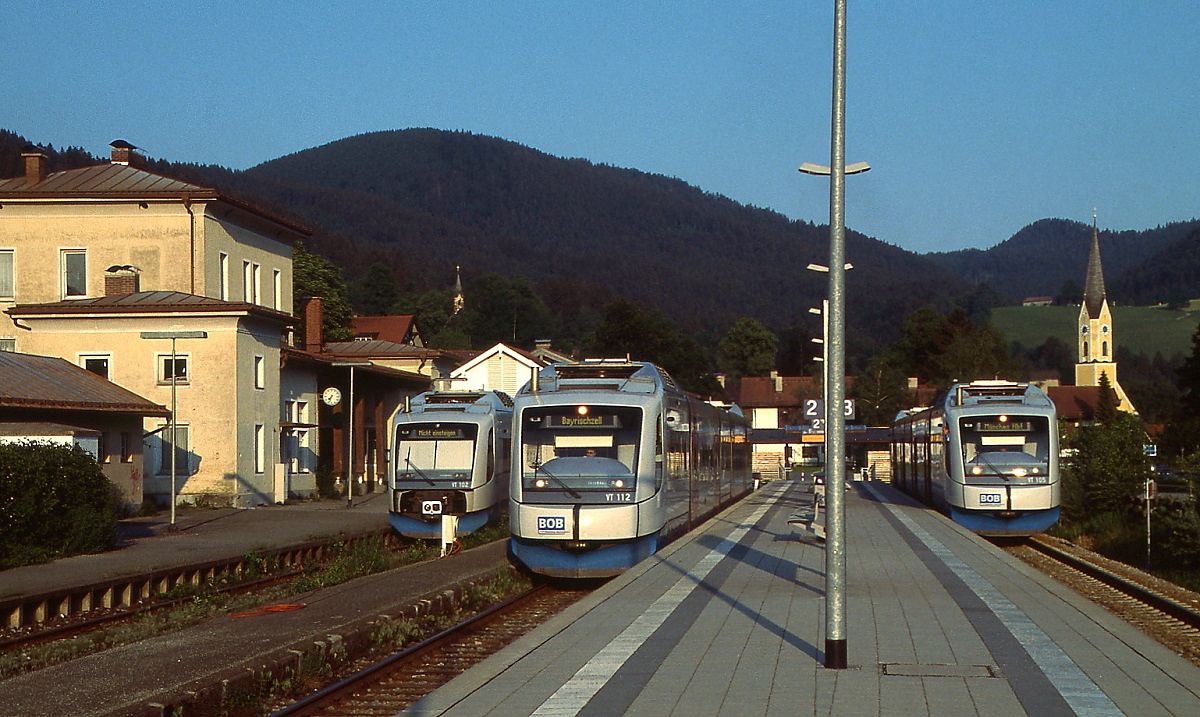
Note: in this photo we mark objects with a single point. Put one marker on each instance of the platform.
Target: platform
(730, 621)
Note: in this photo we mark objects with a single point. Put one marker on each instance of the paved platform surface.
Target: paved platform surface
(201, 535)
(730, 621)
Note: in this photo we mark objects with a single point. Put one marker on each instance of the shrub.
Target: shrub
(54, 502)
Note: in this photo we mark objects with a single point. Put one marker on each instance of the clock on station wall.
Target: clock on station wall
(331, 396)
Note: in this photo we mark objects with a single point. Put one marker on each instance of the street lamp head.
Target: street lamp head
(818, 169)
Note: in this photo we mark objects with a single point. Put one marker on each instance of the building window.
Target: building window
(277, 284)
(105, 456)
(8, 279)
(126, 447)
(8, 344)
(74, 273)
(223, 277)
(259, 447)
(173, 368)
(97, 364)
(260, 372)
(247, 283)
(183, 435)
(256, 283)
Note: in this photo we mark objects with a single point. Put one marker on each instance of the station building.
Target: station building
(99, 266)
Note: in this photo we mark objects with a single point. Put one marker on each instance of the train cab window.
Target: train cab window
(1005, 448)
(566, 449)
(435, 451)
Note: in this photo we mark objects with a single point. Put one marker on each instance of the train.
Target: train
(611, 461)
(986, 452)
(451, 457)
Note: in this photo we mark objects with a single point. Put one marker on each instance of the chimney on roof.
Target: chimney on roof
(124, 153)
(37, 165)
(122, 280)
(778, 381)
(313, 316)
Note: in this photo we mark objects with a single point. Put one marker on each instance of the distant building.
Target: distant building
(1096, 346)
(1038, 301)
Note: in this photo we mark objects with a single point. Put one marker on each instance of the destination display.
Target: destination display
(998, 426)
(433, 433)
(582, 421)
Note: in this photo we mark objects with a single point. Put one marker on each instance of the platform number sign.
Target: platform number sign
(814, 411)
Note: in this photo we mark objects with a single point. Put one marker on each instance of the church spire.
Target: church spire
(1093, 290)
(459, 301)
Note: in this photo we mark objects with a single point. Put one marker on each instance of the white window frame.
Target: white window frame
(63, 258)
(247, 285)
(161, 369)
(277, 283)
(82, 359)
(8, 274)
(223, 276)
(256, 282)
(260, 372)
(260, 459)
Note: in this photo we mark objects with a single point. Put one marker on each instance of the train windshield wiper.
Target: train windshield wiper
(997, 471)
(418, 471)
(541, 467)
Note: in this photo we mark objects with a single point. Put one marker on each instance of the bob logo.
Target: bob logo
(551, 524)
(990, 499)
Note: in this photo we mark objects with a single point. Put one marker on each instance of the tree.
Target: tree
(504, 309)
(748, 349)
(1106, 404)
(627, 329)
(1107, 468)
(57, 502)
(1071, 294)
(315, 276)
(375, 294)
(880, 392)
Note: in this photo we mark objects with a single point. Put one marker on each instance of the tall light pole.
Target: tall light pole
(835, 366)
(350, 428)
(173, 336)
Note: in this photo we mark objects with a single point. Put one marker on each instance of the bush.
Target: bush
(54, 502)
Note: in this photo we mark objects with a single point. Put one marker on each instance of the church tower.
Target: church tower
(459, 300)
(1095, 335)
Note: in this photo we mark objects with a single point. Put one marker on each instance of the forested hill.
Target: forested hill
(445, 198)
(1144, 267)
(421, 201)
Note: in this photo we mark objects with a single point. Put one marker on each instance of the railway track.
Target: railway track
(1164, 611)
(402, 679)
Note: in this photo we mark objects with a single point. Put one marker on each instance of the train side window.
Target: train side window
(491, 458)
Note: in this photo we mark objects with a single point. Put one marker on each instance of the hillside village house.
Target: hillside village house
(98, 265)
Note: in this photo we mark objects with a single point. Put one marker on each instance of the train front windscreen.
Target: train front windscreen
(580, 453)
(440, 454)
(1005, 448)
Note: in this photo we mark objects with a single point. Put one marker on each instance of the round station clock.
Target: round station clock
(331, 396)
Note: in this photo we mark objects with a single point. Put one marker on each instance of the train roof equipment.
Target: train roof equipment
(984, 393)
(461, 402)
(602, 374)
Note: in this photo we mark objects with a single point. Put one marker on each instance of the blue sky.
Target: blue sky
(978, 118)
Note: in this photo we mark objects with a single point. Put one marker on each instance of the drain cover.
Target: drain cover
(901, 669)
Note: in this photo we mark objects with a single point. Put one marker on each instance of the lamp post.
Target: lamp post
(835, 366)
(350, 428)
(173, 336)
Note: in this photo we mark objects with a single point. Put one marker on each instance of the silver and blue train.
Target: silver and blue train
(451, 456)
(986, 453)
(611, 461)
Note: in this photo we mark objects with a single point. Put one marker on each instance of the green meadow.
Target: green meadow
(1142, 329)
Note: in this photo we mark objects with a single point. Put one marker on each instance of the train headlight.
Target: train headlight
(582, 410)
(618, 483)
(976, 470)
(539, 483)
(1035, 471)
(1019, 472)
